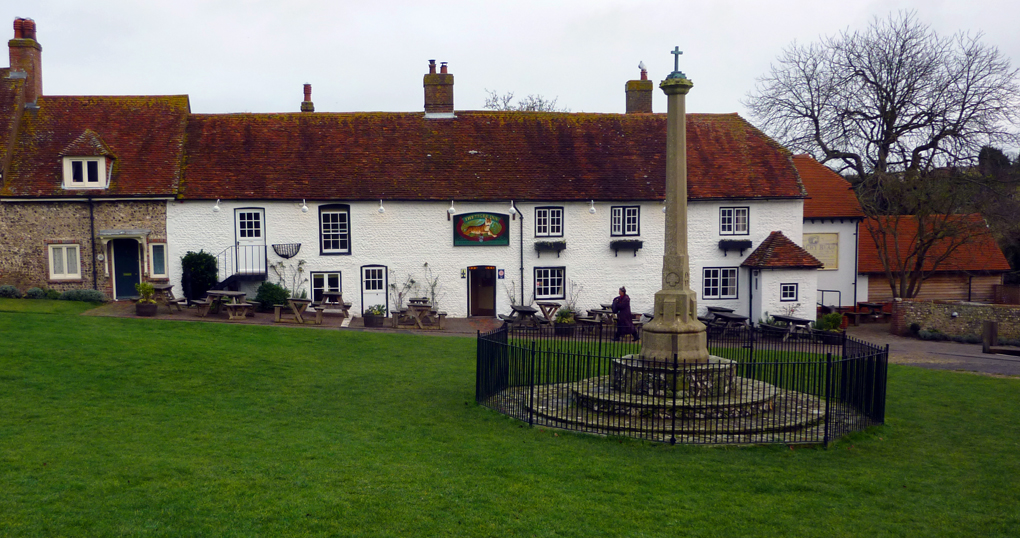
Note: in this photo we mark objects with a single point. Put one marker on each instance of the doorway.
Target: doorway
(249, 230)
(482, 291)
(373, 287)
(126, 268)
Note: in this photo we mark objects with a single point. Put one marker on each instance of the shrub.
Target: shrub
(829, 322)
(9, 292)
(88, 296)
(270, 294)
(145, 292)
(376, 310)
(932, 334)
(52, 295)
(915, 328)
(35, 293)
(200, 273)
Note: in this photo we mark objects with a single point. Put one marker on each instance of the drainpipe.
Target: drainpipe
(857, 250)
(92, 237)
(522, 251)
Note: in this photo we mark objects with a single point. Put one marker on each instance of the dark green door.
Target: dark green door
(125, 267)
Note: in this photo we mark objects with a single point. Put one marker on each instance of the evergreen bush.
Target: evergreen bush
(88, 296)
(52, 295)
(270, 294)
(9, 292)
(35, 293)
(200, 273)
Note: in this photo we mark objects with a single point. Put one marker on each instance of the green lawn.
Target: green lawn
(131, 427)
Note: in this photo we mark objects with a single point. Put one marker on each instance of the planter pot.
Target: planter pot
(372, 320)
(564, 329)
(145, 309)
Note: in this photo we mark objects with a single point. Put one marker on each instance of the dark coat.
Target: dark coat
(624, 318)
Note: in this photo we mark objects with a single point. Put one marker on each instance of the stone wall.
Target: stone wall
(939, 315)
(27, 228)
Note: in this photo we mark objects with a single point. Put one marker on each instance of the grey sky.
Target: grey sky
(234, 56)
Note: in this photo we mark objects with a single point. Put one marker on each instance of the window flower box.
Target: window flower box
(550, 246)
(626, 244)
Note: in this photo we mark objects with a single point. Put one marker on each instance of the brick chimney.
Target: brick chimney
(639, 94)
(438, 92)
(307, 105)
(26, 57)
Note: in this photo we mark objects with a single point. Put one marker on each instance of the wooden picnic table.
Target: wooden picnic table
(605, 315)
(164, 294)
(717, 309)
(297, 309)
(728, 321)
(549, 309)
(217, 298)
(332, 300)
(523, 315)
(794, 325)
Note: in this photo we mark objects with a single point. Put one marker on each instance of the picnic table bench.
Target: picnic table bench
(795, 326)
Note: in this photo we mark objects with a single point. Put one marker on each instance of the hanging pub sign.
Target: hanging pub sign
(480, 229)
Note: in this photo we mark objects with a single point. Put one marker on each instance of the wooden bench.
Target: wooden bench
(441, 316)
(320, 311)
(238, 310)
(202, 307)
(177, 303)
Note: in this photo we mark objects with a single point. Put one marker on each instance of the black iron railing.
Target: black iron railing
(761, 389)
(241, 260)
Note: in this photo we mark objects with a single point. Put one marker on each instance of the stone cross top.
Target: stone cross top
(675, 331)
(676, 52)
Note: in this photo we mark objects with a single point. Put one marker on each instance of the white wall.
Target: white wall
(769, 281)
(409, 234)
(841, 279)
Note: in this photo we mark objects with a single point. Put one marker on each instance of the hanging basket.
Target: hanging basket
(287, 250)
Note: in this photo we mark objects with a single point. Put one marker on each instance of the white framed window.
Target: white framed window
(325, 281)
(85, 172)
(733, 221)
(549, 282)
(157, 260)
(335, 229)
(788, 292)
(719, 283)
(549, 222)
(65, 262)
(625, 220)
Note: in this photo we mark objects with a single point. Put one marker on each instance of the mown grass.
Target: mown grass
(44, 306)
(117, 427)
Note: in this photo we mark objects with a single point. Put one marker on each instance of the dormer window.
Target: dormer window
(85, 173)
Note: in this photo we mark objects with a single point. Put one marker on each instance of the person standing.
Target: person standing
(624, 319)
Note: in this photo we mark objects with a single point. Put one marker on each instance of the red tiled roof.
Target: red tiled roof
(89, 144)
(979, 253)
(146, 134)
(829, 195)
(477, 156)
(778, 252)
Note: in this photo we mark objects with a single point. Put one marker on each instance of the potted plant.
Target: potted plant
(145, 305)
(565, 322)
(374, 315)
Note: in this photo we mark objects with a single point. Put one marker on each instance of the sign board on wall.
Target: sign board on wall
(825, 247)
(481, 229)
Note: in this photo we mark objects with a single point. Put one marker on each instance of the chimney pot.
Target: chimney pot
(639, 94)
(432, 67)
(644, 74)
(19, 28)
(442, 68)
(26, 56)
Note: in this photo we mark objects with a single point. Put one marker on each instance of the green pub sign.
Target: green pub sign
(480, 229)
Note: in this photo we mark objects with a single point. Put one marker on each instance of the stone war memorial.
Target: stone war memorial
(681, 382)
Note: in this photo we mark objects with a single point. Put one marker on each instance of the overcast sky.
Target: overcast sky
(254, 56)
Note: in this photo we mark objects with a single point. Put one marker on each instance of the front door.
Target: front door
(126, 268)
(373, 286)
(482, 291)
(250, 231)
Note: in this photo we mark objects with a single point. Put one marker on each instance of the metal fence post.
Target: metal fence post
(531, 388)
(828, 395)
(672, 433)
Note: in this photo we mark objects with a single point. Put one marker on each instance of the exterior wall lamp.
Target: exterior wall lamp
(381, 208)
(512, 211)
(592, 208)
(451, 211)
(216, 208)
(304, 206)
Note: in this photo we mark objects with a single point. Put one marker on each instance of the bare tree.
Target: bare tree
(904, 112)
(531, 103)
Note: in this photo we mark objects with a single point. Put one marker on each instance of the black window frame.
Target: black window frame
(719, 297)
(563, 282)
(549, 216)
(623, 215)
(336, 208)
(796, 292)
(747, 209)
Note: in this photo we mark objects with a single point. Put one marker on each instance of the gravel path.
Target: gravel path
(937, 355)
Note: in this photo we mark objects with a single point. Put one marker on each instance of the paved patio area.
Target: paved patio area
(451, 326)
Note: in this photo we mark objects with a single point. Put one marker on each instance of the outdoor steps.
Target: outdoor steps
(777, 411)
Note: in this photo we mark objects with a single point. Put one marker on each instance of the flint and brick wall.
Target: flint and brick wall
(26, 230)
(939, 315)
